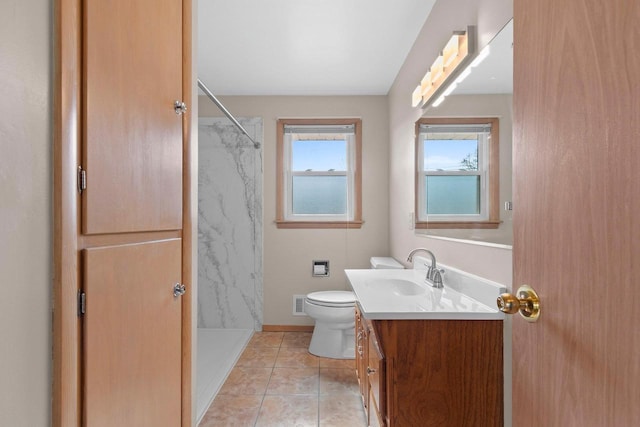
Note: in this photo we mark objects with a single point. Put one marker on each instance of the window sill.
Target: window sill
(433, 225)
(319, 224)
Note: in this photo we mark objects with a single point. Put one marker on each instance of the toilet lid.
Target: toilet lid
(334, 298)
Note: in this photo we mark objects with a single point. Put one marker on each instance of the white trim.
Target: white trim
(482, 172)
(349, 137)
(466, 241)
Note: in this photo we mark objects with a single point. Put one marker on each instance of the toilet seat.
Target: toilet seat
(332, 298)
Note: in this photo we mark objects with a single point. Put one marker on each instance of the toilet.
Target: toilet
(333, 311)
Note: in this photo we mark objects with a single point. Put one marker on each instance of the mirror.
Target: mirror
(486, 92)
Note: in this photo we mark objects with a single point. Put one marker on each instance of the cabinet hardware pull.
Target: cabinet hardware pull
(179, 107)
(179, 290)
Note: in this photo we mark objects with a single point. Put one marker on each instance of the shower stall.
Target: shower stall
(229, 247)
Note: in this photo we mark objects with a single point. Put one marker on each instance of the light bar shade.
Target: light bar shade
(454, 54)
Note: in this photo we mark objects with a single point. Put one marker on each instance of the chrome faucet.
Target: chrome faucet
(434, 274)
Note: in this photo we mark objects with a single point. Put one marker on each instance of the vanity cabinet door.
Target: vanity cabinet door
(376, 378)
(361, 364)
(442, 372)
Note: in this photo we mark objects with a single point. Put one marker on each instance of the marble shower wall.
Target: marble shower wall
(229, 224)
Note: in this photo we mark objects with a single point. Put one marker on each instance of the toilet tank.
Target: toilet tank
(384, 262)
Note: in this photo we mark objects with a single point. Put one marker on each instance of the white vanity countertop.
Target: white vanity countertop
(403, 294)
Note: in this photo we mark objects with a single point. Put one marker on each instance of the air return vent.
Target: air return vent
(298, 305)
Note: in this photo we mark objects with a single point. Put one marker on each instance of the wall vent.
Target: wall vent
(298, 305)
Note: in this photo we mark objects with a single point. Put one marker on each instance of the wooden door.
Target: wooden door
(132, 145)
(132, 335)
(577, 211)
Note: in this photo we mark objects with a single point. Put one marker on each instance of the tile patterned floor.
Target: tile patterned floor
(278, 383)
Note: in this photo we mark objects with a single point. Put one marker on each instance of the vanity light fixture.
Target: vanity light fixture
(453, 57)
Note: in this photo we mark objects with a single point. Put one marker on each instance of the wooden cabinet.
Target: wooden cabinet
(431, 372)
(132, 332)
(123, 213)
(362, 349)
(376, 378)
(371, 371)
(132, 145)
(131, 211)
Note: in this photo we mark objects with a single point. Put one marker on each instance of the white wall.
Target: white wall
(25, 212)
(489, 16)
(288, 253)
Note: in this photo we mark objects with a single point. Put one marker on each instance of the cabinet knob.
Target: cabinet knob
(370, 371)
(179, 290)
(179, 107)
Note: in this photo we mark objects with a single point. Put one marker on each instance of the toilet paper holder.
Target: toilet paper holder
(320, 268)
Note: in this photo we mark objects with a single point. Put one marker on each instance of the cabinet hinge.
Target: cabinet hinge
(82, 179)
(82, 303)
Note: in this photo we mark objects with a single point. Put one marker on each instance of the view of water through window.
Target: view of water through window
(319, 186)
(453, 195)
(319, 195)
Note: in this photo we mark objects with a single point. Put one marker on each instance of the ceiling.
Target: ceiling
(305, 47)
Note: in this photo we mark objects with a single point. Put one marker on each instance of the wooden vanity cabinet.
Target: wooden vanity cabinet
(432, 372)
(371, 371)
(362, 349)
(376, 377)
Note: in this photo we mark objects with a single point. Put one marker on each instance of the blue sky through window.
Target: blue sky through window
(319, 155)
(447, 154)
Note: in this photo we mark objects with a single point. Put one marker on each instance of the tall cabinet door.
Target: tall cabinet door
(132, 335)
(132, 145)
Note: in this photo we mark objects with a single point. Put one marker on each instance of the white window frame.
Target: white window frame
(315, 133)
(488, 166)
(290, 130)
(483, 132)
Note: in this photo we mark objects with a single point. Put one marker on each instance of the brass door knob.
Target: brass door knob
(525, 301)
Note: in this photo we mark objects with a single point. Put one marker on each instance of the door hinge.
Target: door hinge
(82, 303)
(82, 179)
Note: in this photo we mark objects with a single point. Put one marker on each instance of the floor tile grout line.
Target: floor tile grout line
(318, 399)
(264, 394)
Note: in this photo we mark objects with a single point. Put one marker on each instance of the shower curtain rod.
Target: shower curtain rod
(226, 112)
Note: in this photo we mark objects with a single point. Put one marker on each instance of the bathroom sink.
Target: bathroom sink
(403, 294)
(397, 286)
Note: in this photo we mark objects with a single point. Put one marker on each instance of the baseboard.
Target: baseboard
(287, 328)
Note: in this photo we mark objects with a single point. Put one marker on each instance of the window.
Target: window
(457, 173)
(319, 178)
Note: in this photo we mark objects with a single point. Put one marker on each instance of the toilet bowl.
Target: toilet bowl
(334, 313)
(333, 334)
